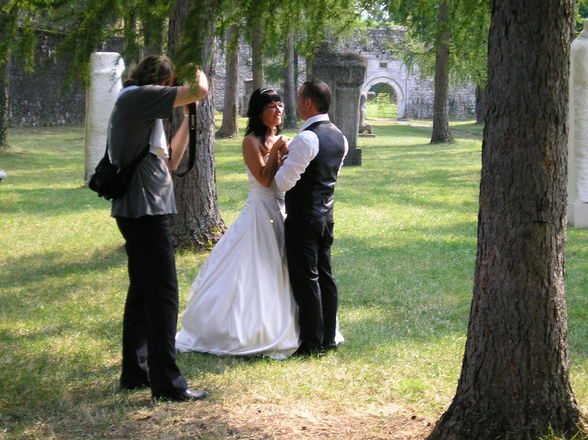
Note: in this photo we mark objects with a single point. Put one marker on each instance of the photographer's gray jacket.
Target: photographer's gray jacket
(150, 190)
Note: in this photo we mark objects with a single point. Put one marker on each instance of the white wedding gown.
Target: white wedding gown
(241, 301)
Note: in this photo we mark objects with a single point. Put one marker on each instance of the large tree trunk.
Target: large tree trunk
(514, 382)
(440, 110)
(198, 223)
(289, 83)
(480, 105)
(257, 54)
(229, 126)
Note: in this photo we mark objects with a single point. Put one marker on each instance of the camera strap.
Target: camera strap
(192, 139)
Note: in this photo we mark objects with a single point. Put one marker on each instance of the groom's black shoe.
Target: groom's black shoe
(330, 347)
(307, 350)
(187, 395)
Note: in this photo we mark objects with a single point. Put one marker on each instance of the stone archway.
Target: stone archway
(400, 95)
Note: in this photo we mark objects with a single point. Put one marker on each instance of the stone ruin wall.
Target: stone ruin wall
(461, 105)
(37, 99)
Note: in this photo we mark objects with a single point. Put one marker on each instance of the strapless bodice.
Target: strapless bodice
(256, 189)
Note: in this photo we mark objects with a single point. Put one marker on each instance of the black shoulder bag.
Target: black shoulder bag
(110, 181)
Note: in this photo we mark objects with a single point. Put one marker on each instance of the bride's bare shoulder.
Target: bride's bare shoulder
(252, 142)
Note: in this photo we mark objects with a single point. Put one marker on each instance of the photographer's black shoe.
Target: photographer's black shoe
(187, 395)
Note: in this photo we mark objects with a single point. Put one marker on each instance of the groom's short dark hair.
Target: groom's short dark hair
(319, 93)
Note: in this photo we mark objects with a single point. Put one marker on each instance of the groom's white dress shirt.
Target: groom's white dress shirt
(303, 148)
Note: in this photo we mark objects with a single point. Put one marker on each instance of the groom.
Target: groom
(308, 177)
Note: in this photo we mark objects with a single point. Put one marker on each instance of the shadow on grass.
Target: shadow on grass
(34, 277)
(52, 201)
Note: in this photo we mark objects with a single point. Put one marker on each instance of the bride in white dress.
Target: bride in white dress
(241, 301)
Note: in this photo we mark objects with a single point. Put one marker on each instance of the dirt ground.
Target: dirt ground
(276, 422)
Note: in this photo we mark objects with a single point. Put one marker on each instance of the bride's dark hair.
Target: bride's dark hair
(257, 102)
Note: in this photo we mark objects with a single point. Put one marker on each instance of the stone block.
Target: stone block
(344, 72)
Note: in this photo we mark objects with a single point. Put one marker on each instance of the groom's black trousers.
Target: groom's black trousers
(308, 248)
(151, 308)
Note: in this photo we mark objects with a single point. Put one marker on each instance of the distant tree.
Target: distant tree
(514, 382)
(289, 94)
(131, 48)
(440, 102)
(153, 16)
(8, 16)
(257, 18)
(229, 126)
(448, 39)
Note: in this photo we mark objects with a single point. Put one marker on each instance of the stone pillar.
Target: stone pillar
(106, 69)
(345, 73)
(578, 132)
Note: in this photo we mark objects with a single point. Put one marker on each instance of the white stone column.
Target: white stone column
(105, 82)
(578, 132)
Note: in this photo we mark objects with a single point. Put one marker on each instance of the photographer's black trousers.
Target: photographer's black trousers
(151, 308)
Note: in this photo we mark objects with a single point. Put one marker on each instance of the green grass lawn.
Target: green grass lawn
(404, 258)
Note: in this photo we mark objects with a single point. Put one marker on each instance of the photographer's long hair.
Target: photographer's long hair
(151, 70)
(257, 102)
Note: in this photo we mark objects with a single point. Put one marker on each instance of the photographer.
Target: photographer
(143, 215)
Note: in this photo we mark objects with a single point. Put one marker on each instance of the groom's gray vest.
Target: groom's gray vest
(312, 196)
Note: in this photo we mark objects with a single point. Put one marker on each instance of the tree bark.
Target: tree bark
(440, 102)
(480, 104)
(198, 223)
(229, 126)
(289, 83)
(514, 382)
(257, 54)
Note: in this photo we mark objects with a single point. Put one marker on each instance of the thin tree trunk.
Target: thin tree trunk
(7, 33)
(296, 67)
(229, 126)
(440, 108)
(198, 223)
(131, 47)
(152, 34)
(4, 103)
(514, 382)
(289, 83)
(257, 54)
(480, 104)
